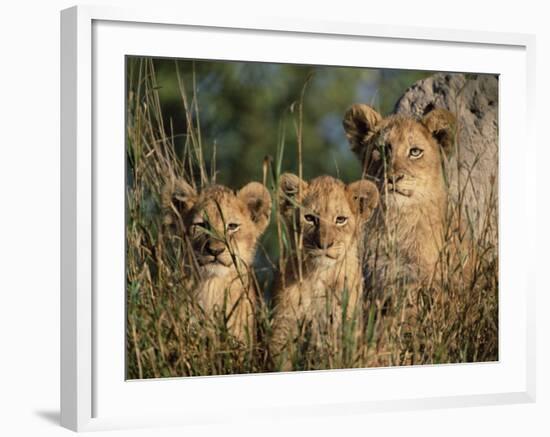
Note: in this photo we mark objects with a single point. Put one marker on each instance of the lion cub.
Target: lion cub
(222, 229)
(407, 158)
(323, 277)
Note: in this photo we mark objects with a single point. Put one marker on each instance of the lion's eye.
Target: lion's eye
(199, 226)
(310, 218)
(341, 220)
(233, 227)
(415, 152)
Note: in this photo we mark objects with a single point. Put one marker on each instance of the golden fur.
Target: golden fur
(405, 157)
(325, 219)
(222, 228)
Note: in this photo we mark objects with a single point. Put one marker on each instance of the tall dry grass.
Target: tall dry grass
(169, 335)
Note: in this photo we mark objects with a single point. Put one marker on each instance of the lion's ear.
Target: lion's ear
(258, 201)
(363, 197)
(360, 121)
(442, 125)
(177, 197)
(291, 192)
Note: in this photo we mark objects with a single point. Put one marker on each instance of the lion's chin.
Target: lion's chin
(215, 269)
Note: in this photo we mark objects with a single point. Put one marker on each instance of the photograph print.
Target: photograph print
(284, 217)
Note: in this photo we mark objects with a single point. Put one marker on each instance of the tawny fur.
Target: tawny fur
(323, 276)
(406, 157)
(223, 228)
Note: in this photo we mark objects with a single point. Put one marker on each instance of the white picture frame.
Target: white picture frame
(94, 394)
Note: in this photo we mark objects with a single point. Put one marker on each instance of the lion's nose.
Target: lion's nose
(323, 243)
(324, 237)
(326, 245)
(214, 249)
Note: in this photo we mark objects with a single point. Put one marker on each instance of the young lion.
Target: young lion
(222, 228)
(322, 278)
(406, 158)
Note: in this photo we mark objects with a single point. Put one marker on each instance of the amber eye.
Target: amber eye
(200, 225)
(415, 152)
(233, 227)
(310, 218)
(341, 220)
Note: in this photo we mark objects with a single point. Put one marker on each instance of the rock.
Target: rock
(473, 98)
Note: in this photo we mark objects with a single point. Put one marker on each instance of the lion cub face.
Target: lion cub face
(402, 154)
(223, 226)
(328, 214)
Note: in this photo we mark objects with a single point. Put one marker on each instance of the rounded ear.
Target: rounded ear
(177, 197)
(258, 201)
(442, 125)
(363, 197)
(359, 122)
(291, 192)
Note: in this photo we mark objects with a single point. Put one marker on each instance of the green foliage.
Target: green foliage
(244, 106)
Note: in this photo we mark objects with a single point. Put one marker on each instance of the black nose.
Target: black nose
(323, 245)
(214, 250)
